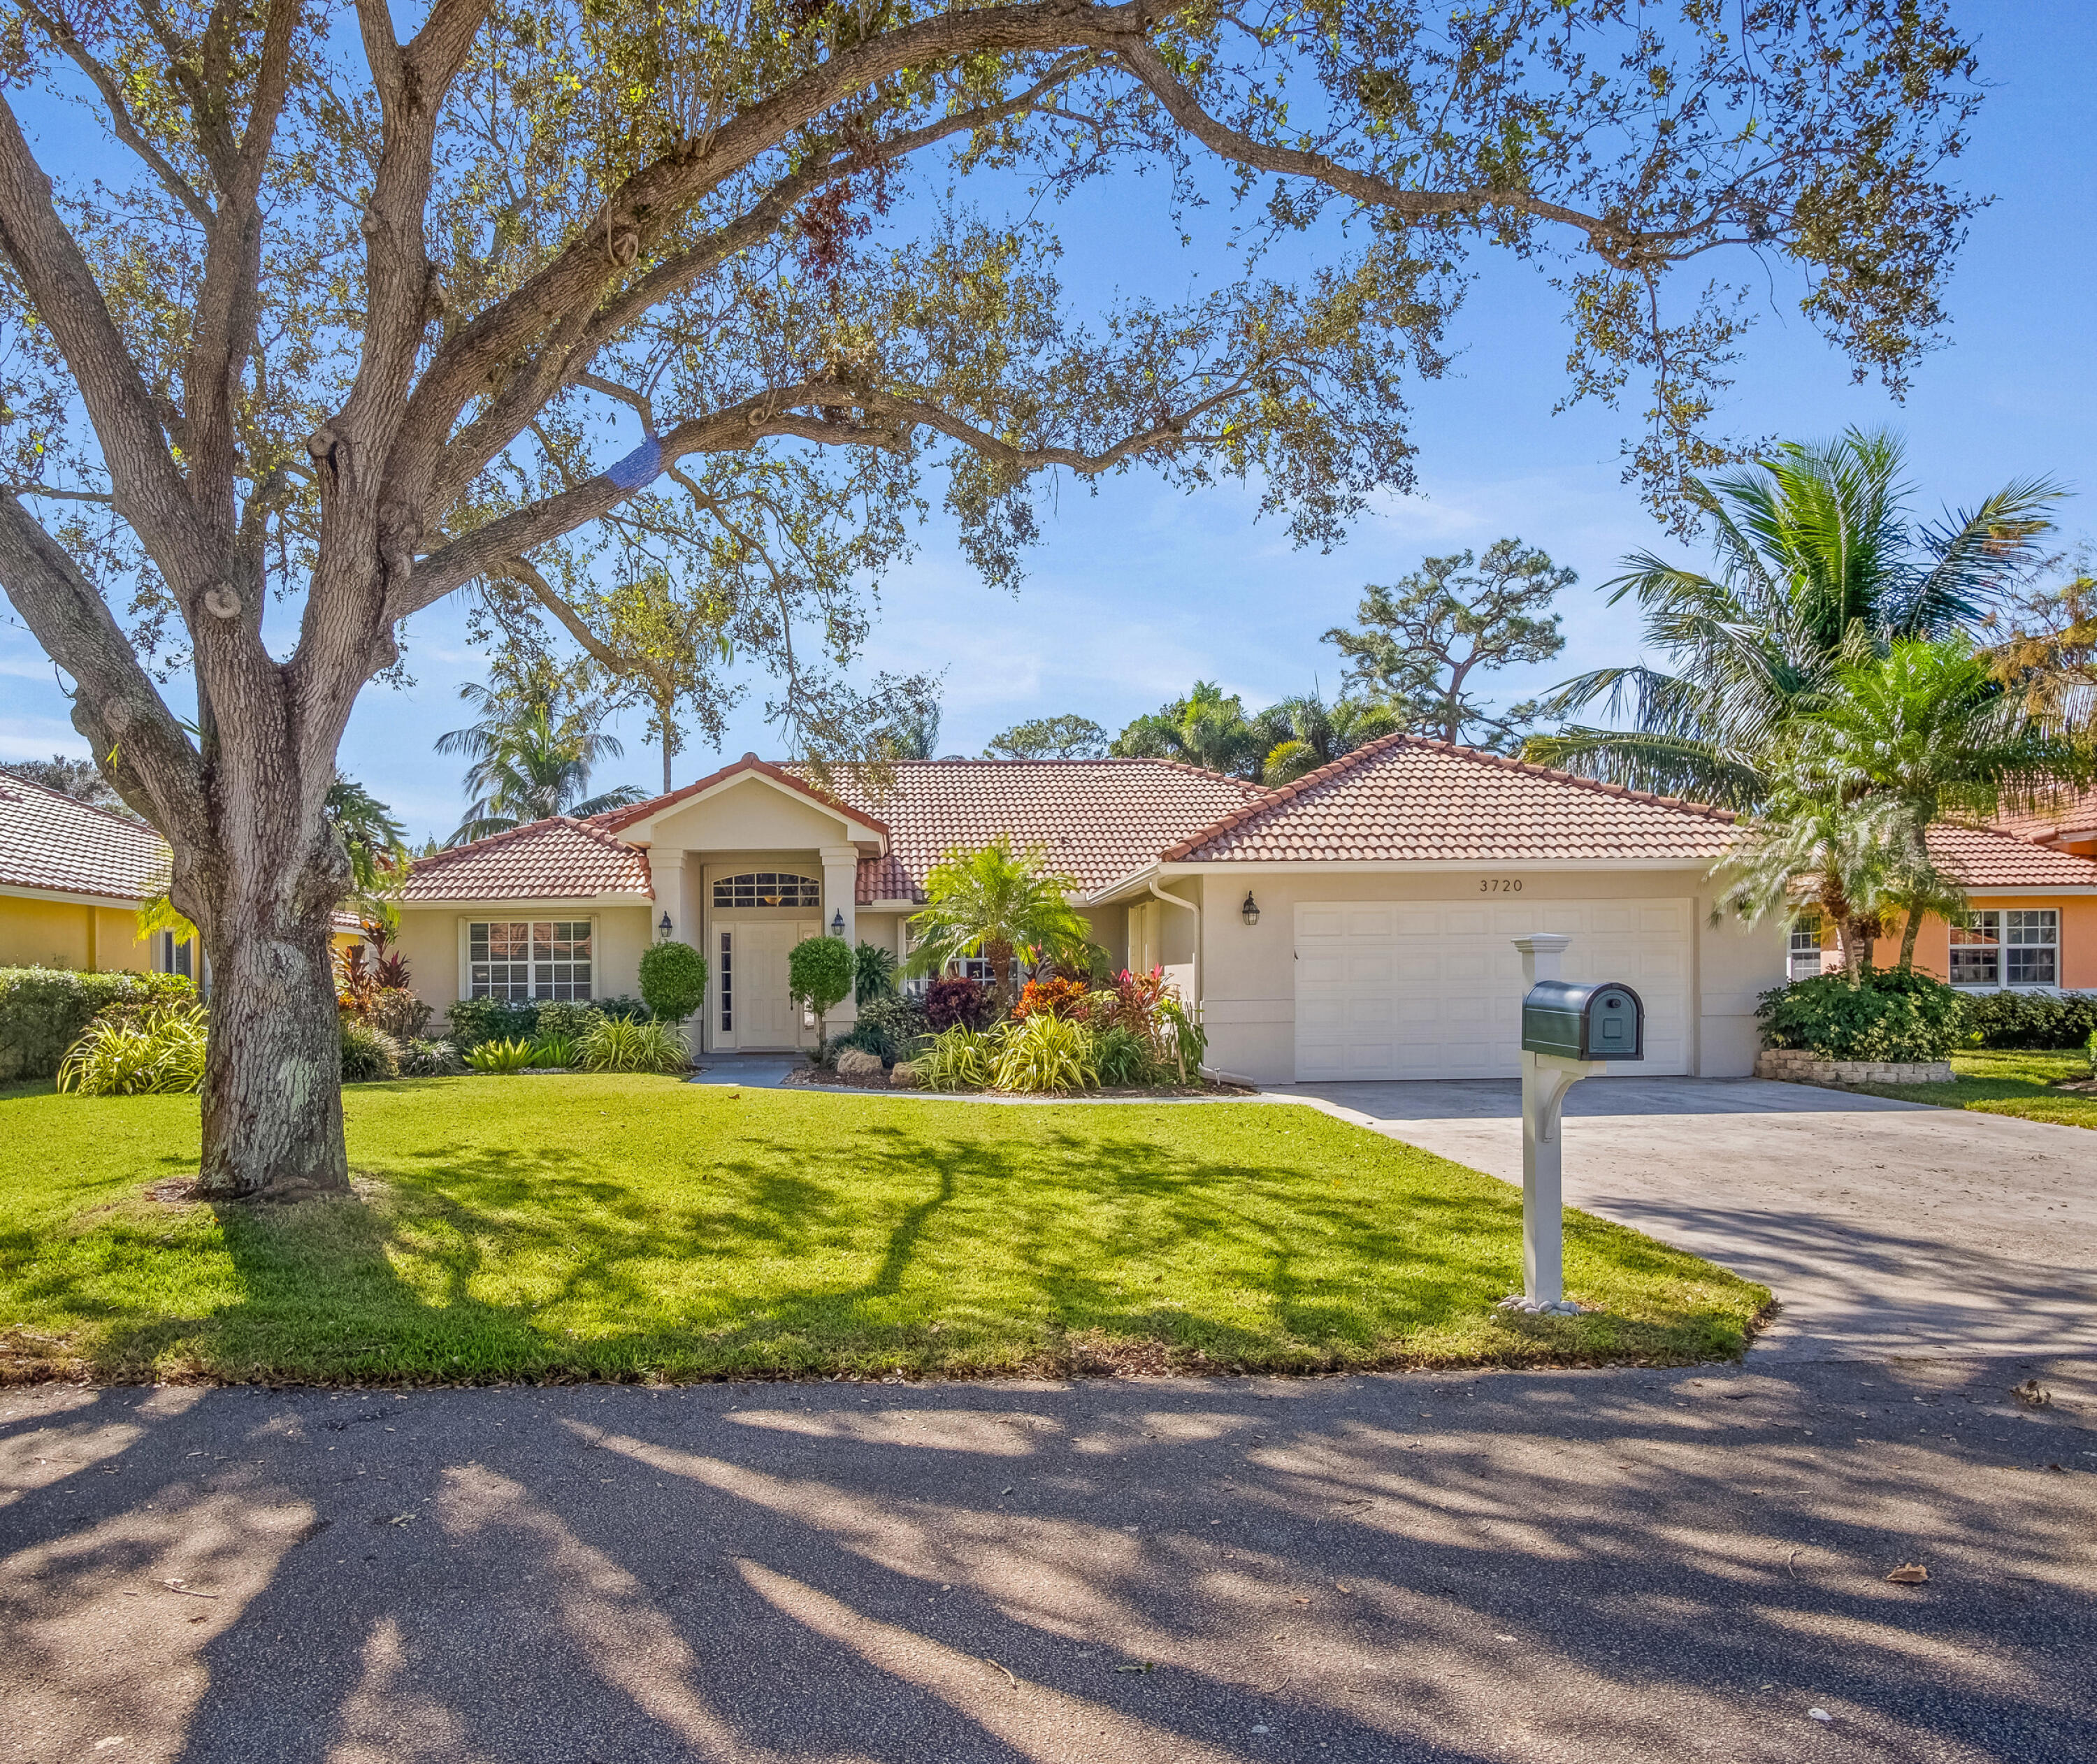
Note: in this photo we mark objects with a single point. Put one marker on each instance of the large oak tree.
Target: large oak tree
(547, 298)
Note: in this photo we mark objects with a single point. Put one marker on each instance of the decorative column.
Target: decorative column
(840, 901)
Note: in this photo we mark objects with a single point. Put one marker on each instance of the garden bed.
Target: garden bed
(817, 1078)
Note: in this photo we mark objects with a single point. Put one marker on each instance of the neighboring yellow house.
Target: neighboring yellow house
(71, 880)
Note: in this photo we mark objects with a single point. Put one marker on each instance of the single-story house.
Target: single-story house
(73, 879)
(1356, 924)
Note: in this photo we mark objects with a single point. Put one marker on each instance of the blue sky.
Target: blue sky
(1138, 590)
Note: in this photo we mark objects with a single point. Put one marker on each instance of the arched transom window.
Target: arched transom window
(767, 888)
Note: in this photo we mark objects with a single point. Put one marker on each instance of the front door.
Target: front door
(752, 1009)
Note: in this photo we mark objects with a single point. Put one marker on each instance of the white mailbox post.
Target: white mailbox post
(1545, 1079)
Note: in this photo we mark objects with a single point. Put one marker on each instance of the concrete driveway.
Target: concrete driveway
(1884, 1227)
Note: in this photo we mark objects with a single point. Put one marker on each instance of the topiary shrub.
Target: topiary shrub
(673, 981)
(44, 1011)
(2031, 1019)
(1887, 1015)
(952, 1002)
(819, 974)
(367, 1053)
(152, 1048)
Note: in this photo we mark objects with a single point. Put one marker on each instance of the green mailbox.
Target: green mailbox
(1582, 1020)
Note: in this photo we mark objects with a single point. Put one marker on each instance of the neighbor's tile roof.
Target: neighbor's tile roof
(553, 859)
(2075, 812)
(1100, 819)
(49, 841)
(1405, 799)
(1986, 857)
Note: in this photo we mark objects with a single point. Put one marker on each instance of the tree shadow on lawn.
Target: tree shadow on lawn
(898, 1247)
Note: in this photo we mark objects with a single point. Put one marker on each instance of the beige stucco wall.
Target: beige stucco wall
(750, 815)
(431, 938)
(1247, 972)
(38, 932)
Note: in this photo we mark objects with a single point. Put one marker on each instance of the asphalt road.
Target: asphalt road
(1596, 1566)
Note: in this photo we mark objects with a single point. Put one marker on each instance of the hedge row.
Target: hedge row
(2033, 1019)
(43, 1011)
(476, 1020)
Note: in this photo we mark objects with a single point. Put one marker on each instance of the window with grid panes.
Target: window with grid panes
(767, 888)
(1806, 946)
(519, 959)
(2007, 946)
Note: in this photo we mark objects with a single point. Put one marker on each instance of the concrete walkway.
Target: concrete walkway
(1884, 1227)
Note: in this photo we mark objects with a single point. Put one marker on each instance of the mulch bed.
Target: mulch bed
(812, 1078)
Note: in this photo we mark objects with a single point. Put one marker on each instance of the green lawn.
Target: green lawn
(636, 1227)
(2009, 1084)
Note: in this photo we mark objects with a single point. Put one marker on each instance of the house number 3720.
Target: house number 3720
(1500, 885)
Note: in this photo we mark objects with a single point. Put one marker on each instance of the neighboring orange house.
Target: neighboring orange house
(2032, 925)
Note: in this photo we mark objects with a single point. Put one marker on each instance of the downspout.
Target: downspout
(1175, 900)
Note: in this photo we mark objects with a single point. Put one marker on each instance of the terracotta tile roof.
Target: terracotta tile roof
(1987, 857)
(554, 860)
(49, 841)
(789, 776)
(1405, 799)
(2071, 813)
(1099, 818)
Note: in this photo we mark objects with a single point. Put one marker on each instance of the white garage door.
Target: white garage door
(1433, 988)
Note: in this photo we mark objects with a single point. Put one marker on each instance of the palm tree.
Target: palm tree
(996, 903)
(532, 758)
(1930, 729)
(1810, 847)
(1818, 567)
(1302, 733)
(1205, 729)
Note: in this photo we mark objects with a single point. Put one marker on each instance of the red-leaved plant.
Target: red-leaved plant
(1069, 1000)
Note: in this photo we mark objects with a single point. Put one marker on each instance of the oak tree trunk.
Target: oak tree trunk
(273, 1069)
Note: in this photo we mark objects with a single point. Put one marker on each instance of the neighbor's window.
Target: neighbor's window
(767, 888)
(2009, 946)
(525, 959)
(172, 956)
(1806, 946)
(1977, 951)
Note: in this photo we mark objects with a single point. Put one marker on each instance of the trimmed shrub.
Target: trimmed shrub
(2031, 1019)
(566, 1019)
(622, 1009)
(1045, 1054)
(819, 974)
(44, 1011)
(367, 1052)
(673, 981)
(476, 1020)
(153, 1048)
(1888, 1015)
(618, 1045)
(890, 1027)
(431, 1059)
(958, 1058)
(953, 1002)
(873, 973)
(398, 1013)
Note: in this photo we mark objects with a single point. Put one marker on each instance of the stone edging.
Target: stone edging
(1798, 1066)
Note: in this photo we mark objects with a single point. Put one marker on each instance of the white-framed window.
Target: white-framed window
(1806, 935)
(767, 888)
(963, 968)
(528, 958)
(2007, 945)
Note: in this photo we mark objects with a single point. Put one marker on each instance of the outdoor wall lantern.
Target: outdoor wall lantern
(1250, 912)
(838, 923)
(665, 928)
